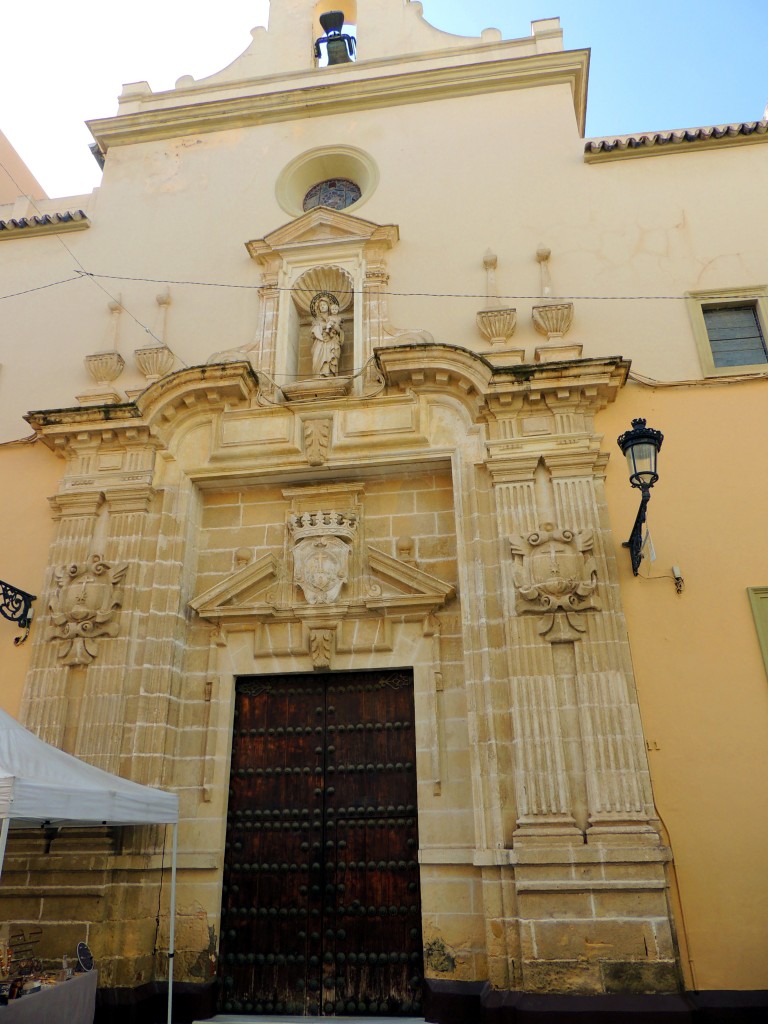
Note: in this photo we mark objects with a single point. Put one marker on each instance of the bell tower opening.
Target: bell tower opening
(334, 26)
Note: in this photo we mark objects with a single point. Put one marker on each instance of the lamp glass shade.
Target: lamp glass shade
(641, 460)
(641, 446)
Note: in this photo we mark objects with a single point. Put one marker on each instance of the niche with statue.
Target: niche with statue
(320, 336)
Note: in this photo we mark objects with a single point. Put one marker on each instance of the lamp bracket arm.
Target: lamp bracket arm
(635, 542)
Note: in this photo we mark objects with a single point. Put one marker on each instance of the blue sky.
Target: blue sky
(655, 65)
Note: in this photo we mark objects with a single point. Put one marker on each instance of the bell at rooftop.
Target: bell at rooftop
(339, 46)
(332, 22)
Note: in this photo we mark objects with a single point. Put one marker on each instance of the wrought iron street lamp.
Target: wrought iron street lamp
(641, 446)
(16, 606)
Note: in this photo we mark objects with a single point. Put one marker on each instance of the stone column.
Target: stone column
(589, 875)
(161, 651)
(375, 315)
(105, 726)
(44, 707)
(542, 783)
(616, 771)
(266, 332)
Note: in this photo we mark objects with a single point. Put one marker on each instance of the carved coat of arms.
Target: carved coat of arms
(555, 575)
(321, 552)
(321, 568)
(84, 606)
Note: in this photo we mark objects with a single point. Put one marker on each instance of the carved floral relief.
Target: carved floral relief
(317, 439)
(84, 607)
(320, 647)
(555, 575)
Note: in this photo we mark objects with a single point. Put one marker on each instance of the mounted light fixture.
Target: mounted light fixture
(16, 606)
(641, 446)
(340, 47)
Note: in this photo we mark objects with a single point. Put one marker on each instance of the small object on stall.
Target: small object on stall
(66, 971)
(84, 957)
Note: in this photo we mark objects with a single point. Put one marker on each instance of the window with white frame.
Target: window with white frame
(730, 329)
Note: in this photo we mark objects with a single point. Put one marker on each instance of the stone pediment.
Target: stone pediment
(259, 592)
(404, 586)
(318, 226)
(248, 591)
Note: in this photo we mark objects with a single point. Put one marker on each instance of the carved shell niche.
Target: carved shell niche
(323, 279)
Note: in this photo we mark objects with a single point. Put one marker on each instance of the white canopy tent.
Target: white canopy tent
(42, 786)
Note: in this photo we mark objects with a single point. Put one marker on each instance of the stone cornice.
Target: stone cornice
(488, 390)
(387, 90)
(501, 390)
(60, 429)
(156, 410)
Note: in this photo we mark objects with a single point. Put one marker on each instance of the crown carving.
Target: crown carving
(322, 524)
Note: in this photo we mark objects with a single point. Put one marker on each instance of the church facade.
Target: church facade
(336, 545)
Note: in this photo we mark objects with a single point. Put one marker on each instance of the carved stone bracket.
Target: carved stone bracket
(84, 606)
(317, 440)
(321, 647)
(553, 319)
(555, 576)
(497, 325)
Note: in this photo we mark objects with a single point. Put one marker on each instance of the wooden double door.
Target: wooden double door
(321, 909)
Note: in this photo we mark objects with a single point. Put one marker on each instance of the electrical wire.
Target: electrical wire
(423, 295)
(42, 287)
(82, 271)
(351, 375)
(96, 277)
(738, 378)
(29, 439)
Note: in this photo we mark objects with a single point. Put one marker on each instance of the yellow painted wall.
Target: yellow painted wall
(29, 474)
(701, 680)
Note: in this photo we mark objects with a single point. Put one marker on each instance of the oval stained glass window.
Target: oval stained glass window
(336, 193)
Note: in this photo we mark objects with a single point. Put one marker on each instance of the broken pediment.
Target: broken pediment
(250, 590)
(263, 590)
(404, 586)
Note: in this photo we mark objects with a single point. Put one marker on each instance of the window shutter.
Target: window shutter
(735, 336)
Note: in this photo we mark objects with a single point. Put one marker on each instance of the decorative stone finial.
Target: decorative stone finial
(542, 257)
(553, 319)
(497, 325)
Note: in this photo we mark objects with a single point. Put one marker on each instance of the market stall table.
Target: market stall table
(73, 1002)
(44, 787)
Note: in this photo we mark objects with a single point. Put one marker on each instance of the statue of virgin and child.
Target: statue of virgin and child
(327, 335)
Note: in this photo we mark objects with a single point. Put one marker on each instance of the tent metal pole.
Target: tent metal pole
(3, 840)
(172, 926)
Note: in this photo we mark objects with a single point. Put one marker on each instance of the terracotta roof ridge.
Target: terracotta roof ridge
(43, 224)
(42, 220)
(674, 136)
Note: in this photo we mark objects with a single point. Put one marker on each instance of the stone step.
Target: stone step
(226, 1018)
